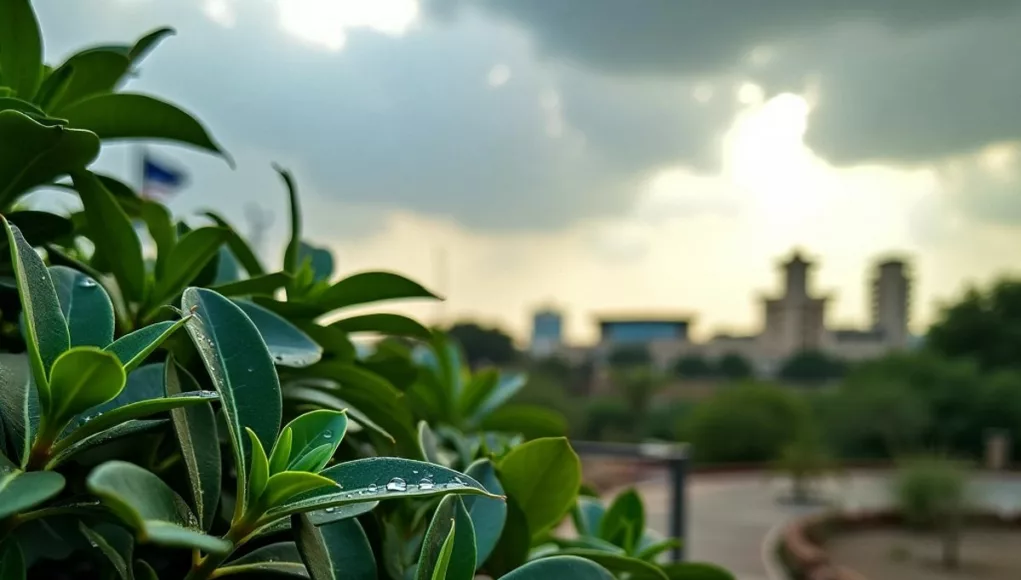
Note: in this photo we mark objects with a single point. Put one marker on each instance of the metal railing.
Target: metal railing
(672, 456)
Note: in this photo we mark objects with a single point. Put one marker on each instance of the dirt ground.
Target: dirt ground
(987, 554)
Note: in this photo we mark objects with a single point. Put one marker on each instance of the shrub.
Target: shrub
(748, 423)
(930, 493)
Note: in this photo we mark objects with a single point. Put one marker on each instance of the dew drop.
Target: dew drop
(372, 488)
(87, 283)
(415, 471)
(396, 484)
(426, 483)
(208, 394)
(327, 434)
(330, 510)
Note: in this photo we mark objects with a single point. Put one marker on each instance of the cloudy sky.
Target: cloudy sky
(602, 155)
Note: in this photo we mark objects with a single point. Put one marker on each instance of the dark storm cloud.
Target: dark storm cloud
(901, 80)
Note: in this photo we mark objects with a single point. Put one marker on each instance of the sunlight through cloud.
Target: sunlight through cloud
(325, 22)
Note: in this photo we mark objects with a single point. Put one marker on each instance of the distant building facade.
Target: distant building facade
(547, 333)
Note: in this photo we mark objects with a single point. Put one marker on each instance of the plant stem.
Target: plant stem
(205, 566)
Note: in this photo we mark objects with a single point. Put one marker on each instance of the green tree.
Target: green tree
(733, 366)
(630, 356)
(930, 492)
(811, 366)
(693, 366)
(484, 345)
(984, 325)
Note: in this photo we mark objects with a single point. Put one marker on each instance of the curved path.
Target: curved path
(729, 515)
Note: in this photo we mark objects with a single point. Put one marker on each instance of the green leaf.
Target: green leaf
(22, 106)
(264, 285)
(696, 571)
(286, 485)
(487, 515)
(239, 247)
(86, 307)
(195, 428)
(132, 411)
(135, 116)
(144, 571)
(241, 370)
(529, 420)
(389, 324)
(161, 227)
(381, 478)
(21, 47)
(40, 227)
(624, 523)
(12, 562)
(19, 403)
(281, 558)
(131, 428)
(588, 516)
(450, 517)
(511, 550)
(649, 552)
(118, 552)
(133, 348)
(86, 73)
(189, 256)
(319, 259)
(301, 394)
(308, 432)
(82, 378)
(32, 154)
(368, 287)
(288, 345)
(429, 444)
(561, 568)
(143, 46)
(633, 567)
(493, 394)
(281, 454)
(155, 511)
(291, 262)
(259, 476)
(337, 551)
(543, 477)
(46, 335)
(20, 490)
(111, 230)
(335, 514)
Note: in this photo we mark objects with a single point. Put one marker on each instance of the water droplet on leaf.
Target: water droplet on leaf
(327, 434)
(426, 483)
(87, 283)
(396, 484)
(330, 510)
(372, 488)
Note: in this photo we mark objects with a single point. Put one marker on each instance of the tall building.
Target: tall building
(891, 292)
(795, 321)
(547, 333)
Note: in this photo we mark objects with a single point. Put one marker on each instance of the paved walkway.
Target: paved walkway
(729, 515)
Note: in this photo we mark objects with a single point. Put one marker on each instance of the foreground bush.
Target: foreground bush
(930, 493)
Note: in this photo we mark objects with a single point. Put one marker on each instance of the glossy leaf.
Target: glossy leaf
(560, 568)
(264, 285)
(696, 571)
(624, 522)
(429, 443)
(336, 551)
(20, 490)
(281, 455)
(131, 428)
(309, 395)
(143, 384)
(148, 42)
(133, 348)
(161, 227)
(319, 259)
(651, 550)
(22, 106)
(155, 511)
(506, 386)
(381, 478)
(135, 116)
(113, 234)
(281, 558)
(132, 411)
(86, 307)
(82, 378)
(389, 324)
(368, 287)
(288, 345)
(487, 515)
(12, 562)
(241, 370)
(46, 334)
(195, 427)
(193, 251)
(86, 73)
(286, 485)
(543, 477)
(32, 154)
(633, 567)
(450, 517)
(259, 475)
(19, 404)
(336, 514)
(588, 516)
(21, 47)
(310, 431)
(529, 420)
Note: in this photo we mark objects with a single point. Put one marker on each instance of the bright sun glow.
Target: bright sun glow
(325, 22)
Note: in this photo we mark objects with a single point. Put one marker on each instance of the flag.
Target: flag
(160, 180)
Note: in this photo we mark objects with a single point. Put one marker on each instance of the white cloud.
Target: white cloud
(325, 22)
(498, 75)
